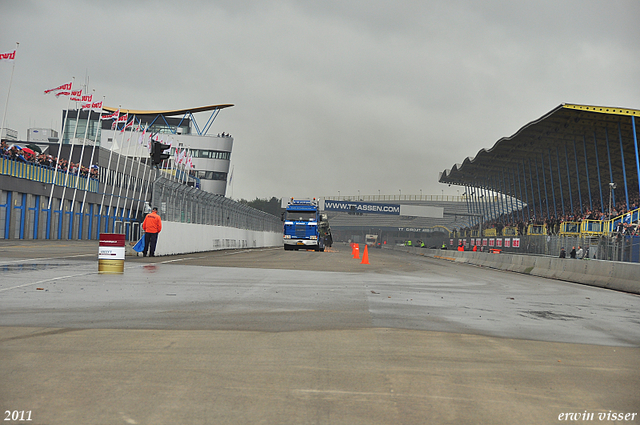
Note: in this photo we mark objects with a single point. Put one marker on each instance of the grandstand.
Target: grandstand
(576, 171)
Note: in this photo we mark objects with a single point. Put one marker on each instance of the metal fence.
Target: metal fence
(185, 204)
(613, 247)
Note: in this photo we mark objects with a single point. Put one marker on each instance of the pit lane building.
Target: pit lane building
(211, 153)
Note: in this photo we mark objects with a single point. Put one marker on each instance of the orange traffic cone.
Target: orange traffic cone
(365, 256)
(356, 251)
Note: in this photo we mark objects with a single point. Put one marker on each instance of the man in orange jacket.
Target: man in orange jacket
(152, 225)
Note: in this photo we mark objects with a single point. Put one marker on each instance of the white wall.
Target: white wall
(183, 238)
(604, 274)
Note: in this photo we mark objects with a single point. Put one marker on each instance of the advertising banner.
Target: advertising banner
(362, 207)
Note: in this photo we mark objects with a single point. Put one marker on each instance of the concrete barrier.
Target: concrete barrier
(184, 238)
(604, 274)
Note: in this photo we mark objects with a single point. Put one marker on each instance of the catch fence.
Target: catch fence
(184, 204)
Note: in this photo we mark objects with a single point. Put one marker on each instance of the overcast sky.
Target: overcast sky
(330, 96)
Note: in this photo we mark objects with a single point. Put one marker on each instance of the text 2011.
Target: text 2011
(17, 415)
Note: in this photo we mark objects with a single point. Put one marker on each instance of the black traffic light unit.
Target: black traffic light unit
(157, 152)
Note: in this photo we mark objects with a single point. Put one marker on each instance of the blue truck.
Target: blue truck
(304, 226)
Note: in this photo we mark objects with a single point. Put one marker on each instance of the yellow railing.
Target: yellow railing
(537, 229)
(510, 231)
(569, 228)
(490, 232)
(592, 227)
(38, 173)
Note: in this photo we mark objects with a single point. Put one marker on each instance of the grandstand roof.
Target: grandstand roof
(171, 112)
(555, 146)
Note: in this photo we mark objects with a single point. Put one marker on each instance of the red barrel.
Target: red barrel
(111, 253)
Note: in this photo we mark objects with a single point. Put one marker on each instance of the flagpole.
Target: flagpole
(144, 171)
(6, 105)
(127, 158)
(117, 165)
(190, 164)
(183, 163)
(176, 162)
(84, 144)
(135, 156)
(106, 178)
(69, 162)
(150, 167)
(124, 167)
(64, 122)
(95, 142)
(186, 166)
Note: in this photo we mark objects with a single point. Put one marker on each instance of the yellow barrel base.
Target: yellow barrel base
(110, 266)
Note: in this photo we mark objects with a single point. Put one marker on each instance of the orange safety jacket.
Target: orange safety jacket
(152, 223)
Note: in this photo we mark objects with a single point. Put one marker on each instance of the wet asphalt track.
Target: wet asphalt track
(273, 290)
(267, 336)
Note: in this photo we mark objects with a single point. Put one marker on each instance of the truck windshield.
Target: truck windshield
(301, 215)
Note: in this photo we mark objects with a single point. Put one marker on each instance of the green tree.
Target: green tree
(271, 206)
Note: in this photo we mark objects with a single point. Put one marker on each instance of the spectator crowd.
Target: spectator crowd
(29, 156)
(514, 219)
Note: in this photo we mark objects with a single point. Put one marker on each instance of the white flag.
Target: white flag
(63, 87)
(9, 56)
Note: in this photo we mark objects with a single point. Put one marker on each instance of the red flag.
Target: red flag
(87, 98)
(129, 124)
(111, 116)
(65, 87)
(9, 56)
(124, 118)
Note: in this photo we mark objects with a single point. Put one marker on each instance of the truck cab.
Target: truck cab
(301, 228)
(372, 241)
